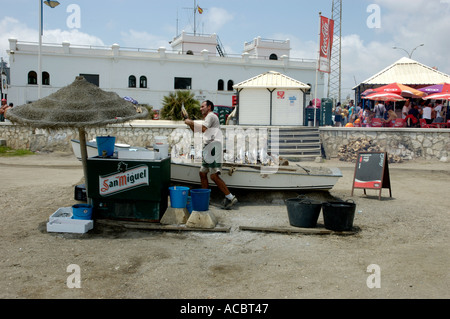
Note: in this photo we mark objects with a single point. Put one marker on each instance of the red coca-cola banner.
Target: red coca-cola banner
(326, 43)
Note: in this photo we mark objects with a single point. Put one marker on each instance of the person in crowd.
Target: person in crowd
(379, 110)
(345, 115)
(351, 112)
(391, 116)
(406, 108)
(358, 107)
(212, 151)
(10, 106)
(439, 113)
(427, 113)
(338, 115)
(412, 119)
(3, 109)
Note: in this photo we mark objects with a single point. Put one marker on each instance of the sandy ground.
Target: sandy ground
(406, 236)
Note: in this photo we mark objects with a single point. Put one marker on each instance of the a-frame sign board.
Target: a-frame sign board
(372, 172)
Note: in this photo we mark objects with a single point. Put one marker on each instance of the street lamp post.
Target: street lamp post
(51, 4)
(412, 51)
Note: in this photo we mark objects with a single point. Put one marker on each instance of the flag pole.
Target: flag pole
(317, 71)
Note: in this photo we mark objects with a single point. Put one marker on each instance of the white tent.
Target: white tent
(405, 71)
(271, 98)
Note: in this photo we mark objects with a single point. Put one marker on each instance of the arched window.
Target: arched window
(143, 82)
(230, 85)
(220, 85)
(273, 56)
(32, 77)
(189, 52)
(45, 78)
(132, 81)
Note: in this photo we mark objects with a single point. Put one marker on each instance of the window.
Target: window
(273, 56)
(32, 77)
(220, 85)
(132, 81)
(92, 78)
(143, 82)
(189, 52)
(183, 83)
(230, 85)
(45, 78)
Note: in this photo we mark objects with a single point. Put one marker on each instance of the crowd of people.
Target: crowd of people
(411, 111)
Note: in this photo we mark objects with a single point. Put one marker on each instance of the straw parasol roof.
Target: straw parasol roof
(78, 105)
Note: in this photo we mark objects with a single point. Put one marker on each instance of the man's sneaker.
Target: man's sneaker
(228, 203)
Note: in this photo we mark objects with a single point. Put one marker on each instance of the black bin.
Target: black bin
(338, 215)
(303, 212)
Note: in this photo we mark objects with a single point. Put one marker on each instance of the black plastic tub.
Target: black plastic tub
(303, 212)
(338, 215)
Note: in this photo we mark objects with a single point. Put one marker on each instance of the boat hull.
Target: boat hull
(285, 178)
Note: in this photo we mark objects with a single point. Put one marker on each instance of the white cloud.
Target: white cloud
(13, 28)
(216, 18)
(142, 39)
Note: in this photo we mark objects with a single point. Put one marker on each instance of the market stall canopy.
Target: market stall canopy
(78, 105)
(437, 88)
(400, 89)
(438, 96)
(384, 96)
(272, 80)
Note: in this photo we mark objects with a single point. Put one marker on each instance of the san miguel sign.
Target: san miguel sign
(124, 179)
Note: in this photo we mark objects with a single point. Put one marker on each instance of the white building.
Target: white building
(149, 75)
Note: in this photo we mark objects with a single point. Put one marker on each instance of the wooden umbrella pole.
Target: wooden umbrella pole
(82, 134)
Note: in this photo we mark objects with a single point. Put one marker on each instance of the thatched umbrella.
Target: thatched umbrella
(78, 105)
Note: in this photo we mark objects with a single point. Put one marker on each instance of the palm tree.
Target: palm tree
(172, 103)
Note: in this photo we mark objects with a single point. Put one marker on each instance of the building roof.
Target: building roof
(408, 72)
(271, 80)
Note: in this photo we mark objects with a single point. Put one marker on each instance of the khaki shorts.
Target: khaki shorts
(212, 158)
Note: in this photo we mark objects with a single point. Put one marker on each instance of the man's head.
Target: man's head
(3, 101)
(206, 107)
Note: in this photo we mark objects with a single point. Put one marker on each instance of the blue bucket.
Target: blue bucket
(178, 196)
(200, 199)
(82, 211)
(105, 145)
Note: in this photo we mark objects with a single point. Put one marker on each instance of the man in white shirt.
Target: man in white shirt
(379, 110)
(212, 151)
(438, 110)
(405, 109)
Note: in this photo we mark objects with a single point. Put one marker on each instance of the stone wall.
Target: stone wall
(408, 143)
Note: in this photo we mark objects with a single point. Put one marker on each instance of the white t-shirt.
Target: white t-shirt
(405, 109)
(213, 128)
(426, 113)
(438, 110)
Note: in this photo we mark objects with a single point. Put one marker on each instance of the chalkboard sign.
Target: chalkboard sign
(372, 172)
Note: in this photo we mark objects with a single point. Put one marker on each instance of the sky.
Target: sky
(370, 28)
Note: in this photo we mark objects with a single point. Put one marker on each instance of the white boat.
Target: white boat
(244, 176)
(257, 177)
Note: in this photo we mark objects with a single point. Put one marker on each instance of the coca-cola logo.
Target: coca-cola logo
(325, 37)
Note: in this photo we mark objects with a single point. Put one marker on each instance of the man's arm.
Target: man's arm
(195, 127)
